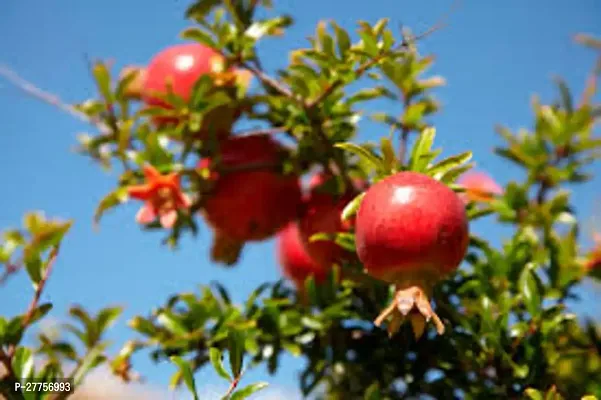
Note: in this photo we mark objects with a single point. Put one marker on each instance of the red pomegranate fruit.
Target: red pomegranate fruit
(180, 67)
(293, 258)
(411, 231)
(251, 199)
(322, 214)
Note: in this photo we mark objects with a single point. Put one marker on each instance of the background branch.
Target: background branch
(48, 98)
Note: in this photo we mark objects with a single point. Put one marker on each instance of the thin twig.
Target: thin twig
(7, 362)
(48, 98)
(403, 144)
(6, 357)
(232, 387)
(36, 297)
(269, 81)
(405, 131)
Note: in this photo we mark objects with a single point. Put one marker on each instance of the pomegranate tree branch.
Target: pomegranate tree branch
(7, 363)
(405, 131)
(39, 288)
(269, 81)
(232, 387)
(48, 98)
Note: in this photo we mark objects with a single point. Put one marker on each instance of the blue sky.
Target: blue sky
(494, 58)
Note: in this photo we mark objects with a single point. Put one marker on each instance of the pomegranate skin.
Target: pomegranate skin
(293, 258)
(411, 229)
(181, 66)
(322, 215)
(252, 204)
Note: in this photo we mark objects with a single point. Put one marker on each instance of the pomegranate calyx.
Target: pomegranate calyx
(225, 250)
(413, 304)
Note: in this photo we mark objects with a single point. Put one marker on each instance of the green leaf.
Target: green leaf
(373, 392)
(106, 317)
(40, 312)
(517, 156)
(386, 119)
(14, 330)
(171, 322)
(34, 222)
(421, 148)
(371, 94)
(390, 160)
(311, 290)
(534, 394)
(345, 240)
(293, 348)
(369, 43)
(103, 81)
(125, 82)
(529, 286)
(200, 36)
(82, 316)
(22, 362)
(3, 326)
(236, 350)
(363, 153)
(324, 39)
(255, 294)
(566, 96)
(248, 390)
(112, 200)
(186, 373)
(552, 394)
(439, 170)
(33, 266)
(343, 40)
(222, 292)
(270, 27)
(201, 8)
(143, 326)
(217, 362)
(352, 207)
(90, 361)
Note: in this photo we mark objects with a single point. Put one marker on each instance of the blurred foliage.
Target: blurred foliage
(509, 333)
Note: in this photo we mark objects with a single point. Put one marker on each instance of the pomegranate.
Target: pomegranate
(180, 67)
(251, 200)
(322, 215)
(293, 258)
(411, 230)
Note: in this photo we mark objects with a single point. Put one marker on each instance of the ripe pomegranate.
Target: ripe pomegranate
(251, 200)
(181, 66)
(293, 258)
(322, 215)
(411, 230)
